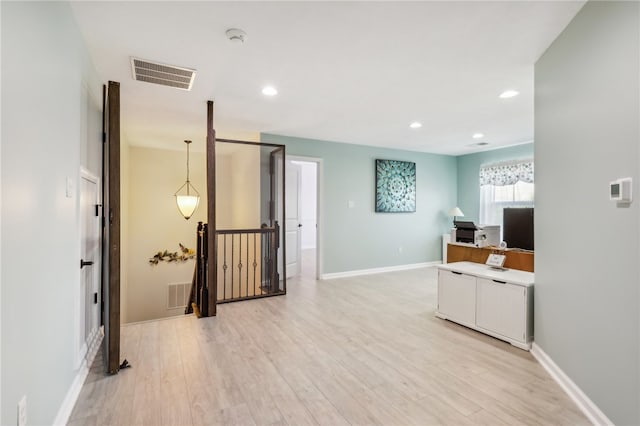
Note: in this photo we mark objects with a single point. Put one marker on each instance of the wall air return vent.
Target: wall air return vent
(166, 75)
(178, 295)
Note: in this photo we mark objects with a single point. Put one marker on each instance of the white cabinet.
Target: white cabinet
(498, 303)
(501, 308)
(457, 296)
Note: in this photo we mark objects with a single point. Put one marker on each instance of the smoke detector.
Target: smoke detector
(236, 35)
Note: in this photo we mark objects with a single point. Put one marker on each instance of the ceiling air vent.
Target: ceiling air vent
(166, 75)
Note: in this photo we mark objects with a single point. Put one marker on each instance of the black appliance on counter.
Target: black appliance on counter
(465, 231)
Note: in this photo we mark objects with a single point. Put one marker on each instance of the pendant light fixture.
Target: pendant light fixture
(187, 197)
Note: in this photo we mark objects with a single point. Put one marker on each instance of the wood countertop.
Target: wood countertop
(516, 259)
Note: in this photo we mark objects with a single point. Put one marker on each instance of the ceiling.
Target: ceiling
(355, 72)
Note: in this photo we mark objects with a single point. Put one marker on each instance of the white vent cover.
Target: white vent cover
(165, 75)
(178, 295)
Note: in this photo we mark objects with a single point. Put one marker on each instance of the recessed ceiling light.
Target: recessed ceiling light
(477, 136)
(269, 91)
(415, 125)
(509, 94)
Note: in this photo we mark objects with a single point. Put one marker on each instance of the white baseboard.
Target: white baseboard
(346, 274)
(172, 317)
(591, 410)
(62, 418)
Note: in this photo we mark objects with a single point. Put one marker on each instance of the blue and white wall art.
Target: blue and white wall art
(395, 186)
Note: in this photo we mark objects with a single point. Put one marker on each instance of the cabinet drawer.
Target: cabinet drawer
(501, 308)
(457, 296)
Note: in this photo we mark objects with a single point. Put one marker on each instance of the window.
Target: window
(505, 185)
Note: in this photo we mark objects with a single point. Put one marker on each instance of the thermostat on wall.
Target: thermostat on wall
(620, 190)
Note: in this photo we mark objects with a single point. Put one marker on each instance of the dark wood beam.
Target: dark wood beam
(212, 275)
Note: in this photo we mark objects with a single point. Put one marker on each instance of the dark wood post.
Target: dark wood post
(204, 298)
(199, 281)
(275, 244)
(112, 305)
(212, 248)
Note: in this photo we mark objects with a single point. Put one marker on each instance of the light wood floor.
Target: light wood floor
(362, 351)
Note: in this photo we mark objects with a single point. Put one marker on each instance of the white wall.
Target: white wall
(51, 108)
(155, 224)
(587, 130)
(308, 204)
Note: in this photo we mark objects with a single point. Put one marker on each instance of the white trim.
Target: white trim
(88, 175)
(591, 410)
(358, 272)
(81, 350)
(65, 410)
(172, 317)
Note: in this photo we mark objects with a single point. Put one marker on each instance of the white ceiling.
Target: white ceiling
(356, 72)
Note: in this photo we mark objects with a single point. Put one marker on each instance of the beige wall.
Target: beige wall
(124, 230)
(224, 214)
(246, 187)
(238, 207)
(155, 224)
(238, 186)
(152, 223)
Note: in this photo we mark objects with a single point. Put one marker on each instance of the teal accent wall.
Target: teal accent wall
(358, 238)
(468, 175)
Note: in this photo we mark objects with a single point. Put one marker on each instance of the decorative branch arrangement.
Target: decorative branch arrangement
(166, 256)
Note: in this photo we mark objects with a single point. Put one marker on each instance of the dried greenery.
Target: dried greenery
(167, 256)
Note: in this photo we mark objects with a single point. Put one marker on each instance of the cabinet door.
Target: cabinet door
(501, 308)
(457, 296)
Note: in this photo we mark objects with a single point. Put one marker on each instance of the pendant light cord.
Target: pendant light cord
(188, 143)
(187, 162)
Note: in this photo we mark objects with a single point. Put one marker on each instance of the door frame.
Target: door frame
(319, 207)
(81, 355)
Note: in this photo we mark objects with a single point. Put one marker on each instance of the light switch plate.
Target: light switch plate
(70, 187)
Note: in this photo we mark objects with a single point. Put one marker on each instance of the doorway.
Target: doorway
(307, 198)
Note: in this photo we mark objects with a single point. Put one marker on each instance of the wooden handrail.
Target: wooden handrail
(265, 230)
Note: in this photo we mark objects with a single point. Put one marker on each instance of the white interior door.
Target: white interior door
(293, 184)
(89, 294)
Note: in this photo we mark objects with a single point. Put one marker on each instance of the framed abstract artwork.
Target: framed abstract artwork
(395, 186)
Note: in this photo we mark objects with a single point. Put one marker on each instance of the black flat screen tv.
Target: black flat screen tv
(517, 227)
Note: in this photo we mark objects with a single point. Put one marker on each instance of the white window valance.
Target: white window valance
(507, 173)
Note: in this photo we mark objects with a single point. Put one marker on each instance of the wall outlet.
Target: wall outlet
(22, 411)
